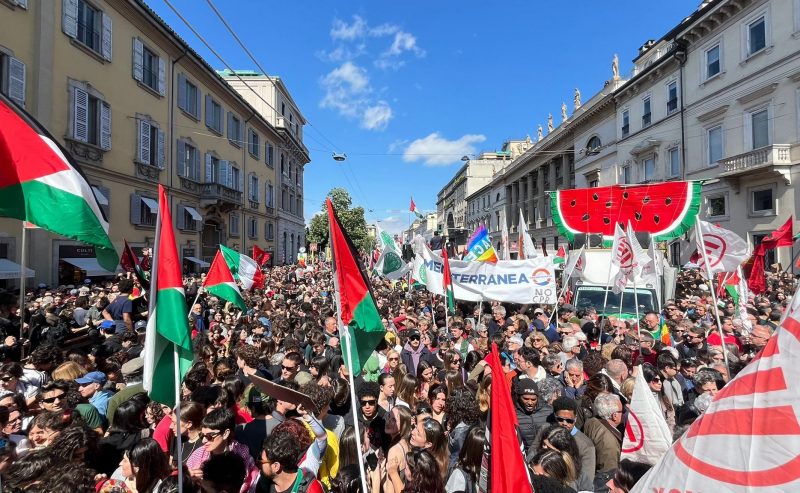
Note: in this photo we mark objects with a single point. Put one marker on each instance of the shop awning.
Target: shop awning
(89, 265)
(11, 270)
(151, 204)
(193, 212)
(201, 263)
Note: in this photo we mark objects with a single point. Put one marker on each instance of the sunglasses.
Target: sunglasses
(413, 338)
(456, 361)
(394, 359)
(210, 436)
(369, 402)
(655, 379)
(6, 378)
(566, 420)
(50, 400)
(289, 368)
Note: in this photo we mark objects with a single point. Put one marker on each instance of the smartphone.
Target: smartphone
(372, 460)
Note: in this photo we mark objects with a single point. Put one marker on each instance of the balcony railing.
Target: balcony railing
(777, 154)
(215, 191)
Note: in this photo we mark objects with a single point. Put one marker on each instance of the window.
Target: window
(299, 207)
(593, 146)
(646, 115)
(674, 162)
(283, 109)
(234, 222)
(148, 68)
(717, 206)
(283, 168)
(270, 155)
(212, 168)
(270, 195)
(756, 35)
(759, 128)
(188, 218)
(762, 201)
(87, 25)
(284, 198)
(291, 203)
(144, 210)
(626, 175)
(672, 97)
(253, 143)
(270, 231)
(252, 228)
(649, 166)
(253, 190)
(626, 123)
(234, 129)
(150, 144)
(594, 183)
(715, 145)
(713, 66)
(188, 161)
(91, 119)
(213, 114)
(12, 78)
(769, 258)
(188, 97)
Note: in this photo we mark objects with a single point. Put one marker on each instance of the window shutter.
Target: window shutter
(250, 141)
(181, 213)
(144, 142)
(105, 126)
(223, 176)
(182, 104)
(209, 169)
(209, 112)
(199, 101)
(69, 18)
(136, 209)
(196, 165)
(138, 60)
(23, 3)
(162, 155)
(80, 115)
(162, 82)
(181, 158)
(241, 181)
(106, 40)
(16, 80)
(230, 126)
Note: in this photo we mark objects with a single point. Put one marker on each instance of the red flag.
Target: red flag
(260, 256)
(413, 206)
(130, 263)
(779, 238)
(508, 470)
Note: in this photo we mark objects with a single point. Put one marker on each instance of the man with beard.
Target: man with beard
(280, 472)
(532, 411)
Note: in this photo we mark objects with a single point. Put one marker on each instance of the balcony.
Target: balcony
(776, 158)
(214, 193)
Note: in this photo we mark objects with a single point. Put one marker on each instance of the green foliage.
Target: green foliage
(352, 219)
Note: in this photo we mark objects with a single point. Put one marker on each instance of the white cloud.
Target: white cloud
(393, 224)
(435, 150)
(377, 117)
(392, 58)
(397, 144)
(340, 30)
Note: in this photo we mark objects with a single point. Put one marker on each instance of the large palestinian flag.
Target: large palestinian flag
(40, 184)
(219, 282)
(359, 314)
(168, 345)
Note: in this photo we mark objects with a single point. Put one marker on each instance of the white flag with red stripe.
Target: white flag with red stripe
(623, 257)
(724, 250)
(647, 437)
(747, 440)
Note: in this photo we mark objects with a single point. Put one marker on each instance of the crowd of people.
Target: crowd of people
(74, 415)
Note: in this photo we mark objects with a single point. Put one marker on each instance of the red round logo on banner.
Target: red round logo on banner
(715, 247)
(635, 433)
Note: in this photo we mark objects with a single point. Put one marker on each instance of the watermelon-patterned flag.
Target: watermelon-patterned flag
(362, 326)
(243, 268)
(40, 183)
(413, 208)
(219, 282)
(167, 341)
(479, 248)
(447, 279)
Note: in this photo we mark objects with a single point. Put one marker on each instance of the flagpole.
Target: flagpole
(605, 302)
(178, 444)
(564, 283)
(23, 268)
(636, 303)
(199, 291)
(701, 246)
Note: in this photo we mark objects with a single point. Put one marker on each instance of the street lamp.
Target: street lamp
(339, 157)
(465, 158)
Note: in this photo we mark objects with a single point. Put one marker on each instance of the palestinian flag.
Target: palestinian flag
(243, 268)
(413, 208)
(561, 256)
(40, 183)
(130, 263)
(219, 282)
(362, 326)
(447, 280)
(168, 345)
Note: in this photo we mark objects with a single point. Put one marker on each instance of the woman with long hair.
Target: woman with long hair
(654, 381)
(399, 423)
(437, 398)
(425, 474)
(628, 473)
(429, 435)
(406, 390)
(144, 466)
(559, 439)
(554, 464)
(464, 476)
(192, 415)
(129, 427)
(484, 394)
(425, 379)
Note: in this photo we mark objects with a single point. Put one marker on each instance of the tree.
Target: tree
(353, 221)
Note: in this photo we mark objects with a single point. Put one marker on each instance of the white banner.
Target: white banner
(513, 281)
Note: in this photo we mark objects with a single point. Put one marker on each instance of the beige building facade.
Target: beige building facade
(136, 107)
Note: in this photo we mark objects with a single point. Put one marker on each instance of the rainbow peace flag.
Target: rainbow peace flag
(479, 248)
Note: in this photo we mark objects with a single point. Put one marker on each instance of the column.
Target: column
(515, 210)
(507, 216)
(529, 205)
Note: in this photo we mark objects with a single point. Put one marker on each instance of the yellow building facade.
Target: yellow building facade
(136, 107)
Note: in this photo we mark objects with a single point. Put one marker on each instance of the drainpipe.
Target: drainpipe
(244, 179)
(172, 118)
(681, 55)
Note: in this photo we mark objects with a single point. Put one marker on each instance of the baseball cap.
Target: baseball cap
(92, 377)
(107, 324)
(140, 326)
(537, 311)
(526, 386)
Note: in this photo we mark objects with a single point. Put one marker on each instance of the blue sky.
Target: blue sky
(407, 88)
